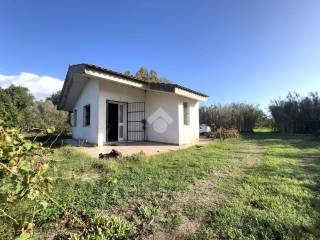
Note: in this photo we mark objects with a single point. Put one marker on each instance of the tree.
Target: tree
(15, 106)
(240, 116)
(8, 112)
(297, 114)
(47, 115)
(264, 121)
(143, 74)
(164, 80)
(54, 98)
(18, 109)
(147, 76)
(128, 73)
(153, 76)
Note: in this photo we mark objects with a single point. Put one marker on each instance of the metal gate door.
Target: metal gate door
(136, 121)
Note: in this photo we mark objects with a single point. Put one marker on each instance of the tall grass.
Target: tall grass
(297, 114)
(240, 116)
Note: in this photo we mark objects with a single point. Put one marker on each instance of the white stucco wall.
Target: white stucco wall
(97, 91)
(115, 92)
(89, 95)
(189, 134)
(169, 104)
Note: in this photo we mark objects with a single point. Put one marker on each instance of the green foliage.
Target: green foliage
(264, 121)
(153, 76)
(148, 76)
(50, 213)
(193, 210)
(240, 116)
(22, 166)
(15, 107)
(18, 109)
(50, 116)
(134, 157)
(22, 169)
(54, 98)
(105, 227)
(172, 220)
(297, 114)
(147, 212)
(145, 215)
(128, 73)
(222, 133)
(142, 74)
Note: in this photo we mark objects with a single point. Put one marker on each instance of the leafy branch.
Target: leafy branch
(23, 168)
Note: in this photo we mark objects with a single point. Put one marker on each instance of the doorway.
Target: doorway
(125, 121)
(112, 124)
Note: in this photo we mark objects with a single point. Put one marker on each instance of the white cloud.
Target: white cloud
(39, 86)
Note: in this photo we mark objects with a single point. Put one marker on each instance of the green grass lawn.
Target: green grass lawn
(262, 186)
(277, 199)
(263, 129)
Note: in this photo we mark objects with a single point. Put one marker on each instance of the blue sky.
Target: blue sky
(251, 51)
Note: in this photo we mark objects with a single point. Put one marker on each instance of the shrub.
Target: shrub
(297, 114)
(222, 133)
(50, 116)
(16, 107)
(172, 220)
(240, 116)
(107, 227)
(146, 211)
(136, 157)
(144, 218)
(22, 177)
(19, 109)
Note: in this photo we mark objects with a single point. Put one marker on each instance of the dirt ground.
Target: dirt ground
(129, 148)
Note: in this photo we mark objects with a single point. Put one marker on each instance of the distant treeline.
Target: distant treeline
(297, 114)
(241, 116)
(19, 109)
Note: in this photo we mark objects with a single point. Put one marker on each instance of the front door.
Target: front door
(113, 115)
(121, 121)
(136, 121)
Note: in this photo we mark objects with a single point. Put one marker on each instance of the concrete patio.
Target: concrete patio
(129, 148)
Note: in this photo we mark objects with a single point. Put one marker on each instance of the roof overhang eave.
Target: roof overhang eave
(114, 78)
(188, 94)
(98, 72)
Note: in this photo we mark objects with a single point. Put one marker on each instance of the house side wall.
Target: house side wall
(89, 95)
(115, 92)
(189, 134)
(97, 91)
(169, 104)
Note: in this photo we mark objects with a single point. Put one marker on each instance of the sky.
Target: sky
(249, 51)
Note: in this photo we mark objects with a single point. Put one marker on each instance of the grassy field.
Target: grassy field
(262, 186)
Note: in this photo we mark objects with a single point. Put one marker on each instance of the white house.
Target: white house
(108, 106)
